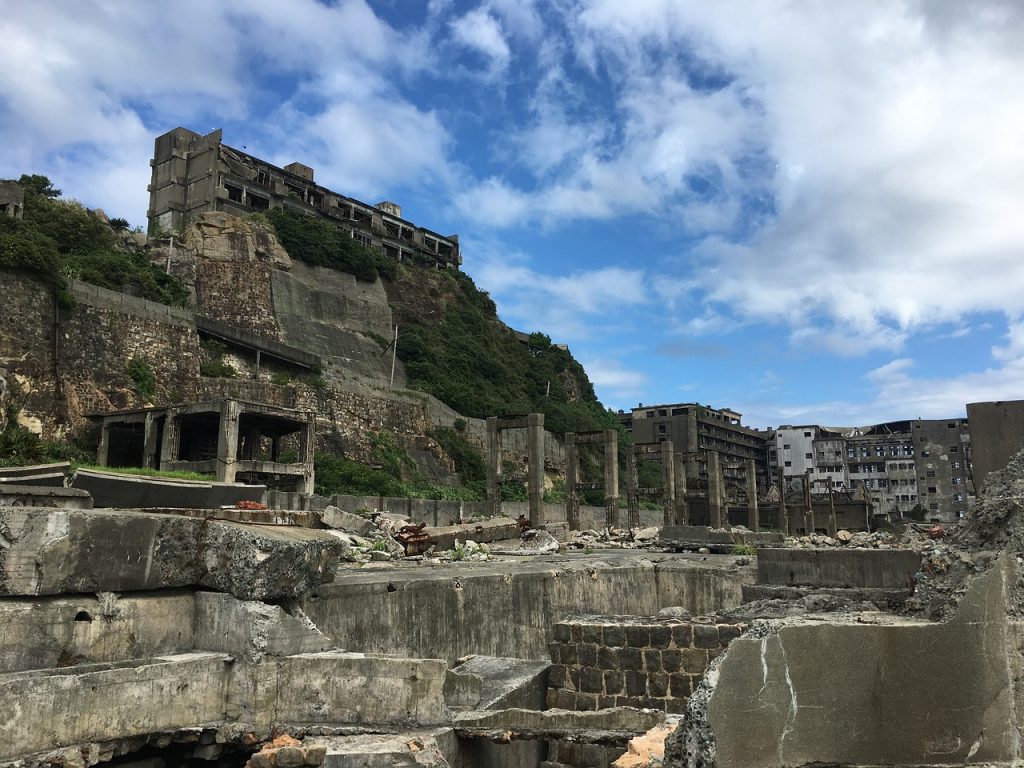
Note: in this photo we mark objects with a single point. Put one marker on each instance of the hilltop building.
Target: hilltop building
(193, 174)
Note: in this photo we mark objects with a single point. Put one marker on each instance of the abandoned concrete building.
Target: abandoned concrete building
(12, 199)
(193, 174)
(230, 439)
(899, 466)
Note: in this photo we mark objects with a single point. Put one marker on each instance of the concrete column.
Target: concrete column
(714, 489)
(808, 505)
(149, 446)
(611, 478)
(103, 451)
(753, 518)
(832, 525)
(668, 483)
(632, 492)
(692, 437)
(783, 509)
(307, 453)
(227, 441)
(681, 505)
(572, 506)
(535, 469)
(493, 466)
(172, 439)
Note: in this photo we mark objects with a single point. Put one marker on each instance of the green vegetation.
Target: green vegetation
(147, 472)
(141, 373)
(469, 462)
(57, 239)
(20, 447)
(743, 549)
(213, 364)
(323, 244)
(280, 378)
(470, 361)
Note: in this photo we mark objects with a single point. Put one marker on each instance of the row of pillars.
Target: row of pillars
(806, 508)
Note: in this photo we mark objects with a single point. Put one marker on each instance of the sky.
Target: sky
(806, 211)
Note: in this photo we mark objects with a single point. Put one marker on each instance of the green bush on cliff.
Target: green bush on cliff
(57, 239)
(323, 244)
(470, 361)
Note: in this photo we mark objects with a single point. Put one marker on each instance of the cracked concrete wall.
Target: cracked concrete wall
(889, 691)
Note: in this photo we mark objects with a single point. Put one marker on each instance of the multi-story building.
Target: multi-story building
(899, 466)
(698, 429)
(193, 174)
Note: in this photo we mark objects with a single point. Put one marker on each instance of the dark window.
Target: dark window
(259, 203)
(234, 193)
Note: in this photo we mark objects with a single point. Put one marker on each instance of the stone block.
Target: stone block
(566, 699)
(657, 684)
(676, 706)
(586, 702)
(682, 635)
(587, 655)
(561, 632)
(613, 636)
(705, 636)
(695, 660)
(290, 757)
(576, 633)
(555, 652)
(630, 659)
(613, 682)
(557, 675)
(315, 754)
(591, 680)
(636, 684)
(672, 660)
(652, 661)
(333, 517)
(607, 658)
(661, 636)
(567, 655)
(591, 633)
(605, 702)
(638, 636)
(680, 686)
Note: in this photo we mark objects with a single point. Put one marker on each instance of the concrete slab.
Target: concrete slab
(692, 537)
(846, 568)
(124, 491)
(13, 473)
(15, 494)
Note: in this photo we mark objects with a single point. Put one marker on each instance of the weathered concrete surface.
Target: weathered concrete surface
(15, 494)
(508, 609)
(425, 749)
(849, 568)
(251, 630)
(52, 708)
(123, 491)
(339, 688)
(900, 692)
(606, 725)
(50, 552)
(695, 536)
(83, 629)
(262, 562)
(339, 519)
(10, 474)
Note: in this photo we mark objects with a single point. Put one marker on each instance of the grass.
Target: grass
(147, 472)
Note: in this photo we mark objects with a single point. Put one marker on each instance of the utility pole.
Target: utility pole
(394, 354)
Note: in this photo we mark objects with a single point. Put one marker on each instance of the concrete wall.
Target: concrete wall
(82, 629)
(997, 433)
(506, 609)
(48, 709)
(853, 568)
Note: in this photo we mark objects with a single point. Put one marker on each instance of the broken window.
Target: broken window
(263, 179)
(258, 203)
(234, 193)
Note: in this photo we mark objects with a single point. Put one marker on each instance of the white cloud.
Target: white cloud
(479, 31)
(618, 384)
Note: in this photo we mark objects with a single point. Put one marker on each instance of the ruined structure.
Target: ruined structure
(12, 199)
(193, 174)
(230, 439)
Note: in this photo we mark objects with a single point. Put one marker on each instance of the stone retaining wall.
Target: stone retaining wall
(622, 661)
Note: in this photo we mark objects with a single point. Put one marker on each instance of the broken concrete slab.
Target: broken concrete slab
(422, 749)
(861, 692)
(14, 494)
(693, 537)
(252, 630)
(265, 562)
(53, 551)
(32, 474)
(339, 519)
(843, 568)
(507, 683)
(606, 726)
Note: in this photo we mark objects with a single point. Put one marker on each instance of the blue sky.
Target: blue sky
(808, 212)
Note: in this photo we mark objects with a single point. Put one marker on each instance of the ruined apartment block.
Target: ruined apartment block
(12, 199)
(193, 174)
(897, 465)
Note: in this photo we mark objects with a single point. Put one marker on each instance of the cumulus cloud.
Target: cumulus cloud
(481, 32)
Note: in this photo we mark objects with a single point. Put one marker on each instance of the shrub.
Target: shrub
(142, 375)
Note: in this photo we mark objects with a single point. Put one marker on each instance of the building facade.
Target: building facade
(193, 174)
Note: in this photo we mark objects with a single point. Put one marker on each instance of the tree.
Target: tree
(39, 185)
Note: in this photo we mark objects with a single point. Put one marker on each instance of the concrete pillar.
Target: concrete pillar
(714, 489)
(832, 524)
(753, 518)
(172, 439)
(572, 506)
(632, 491)
(307, 451)
(808, 505)
(692, 437)
(535, 469)
(103, 451)
(681, 505)
(668, 483)
(227, 441)
(783, 509)
(611, 478)
(493, 466)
